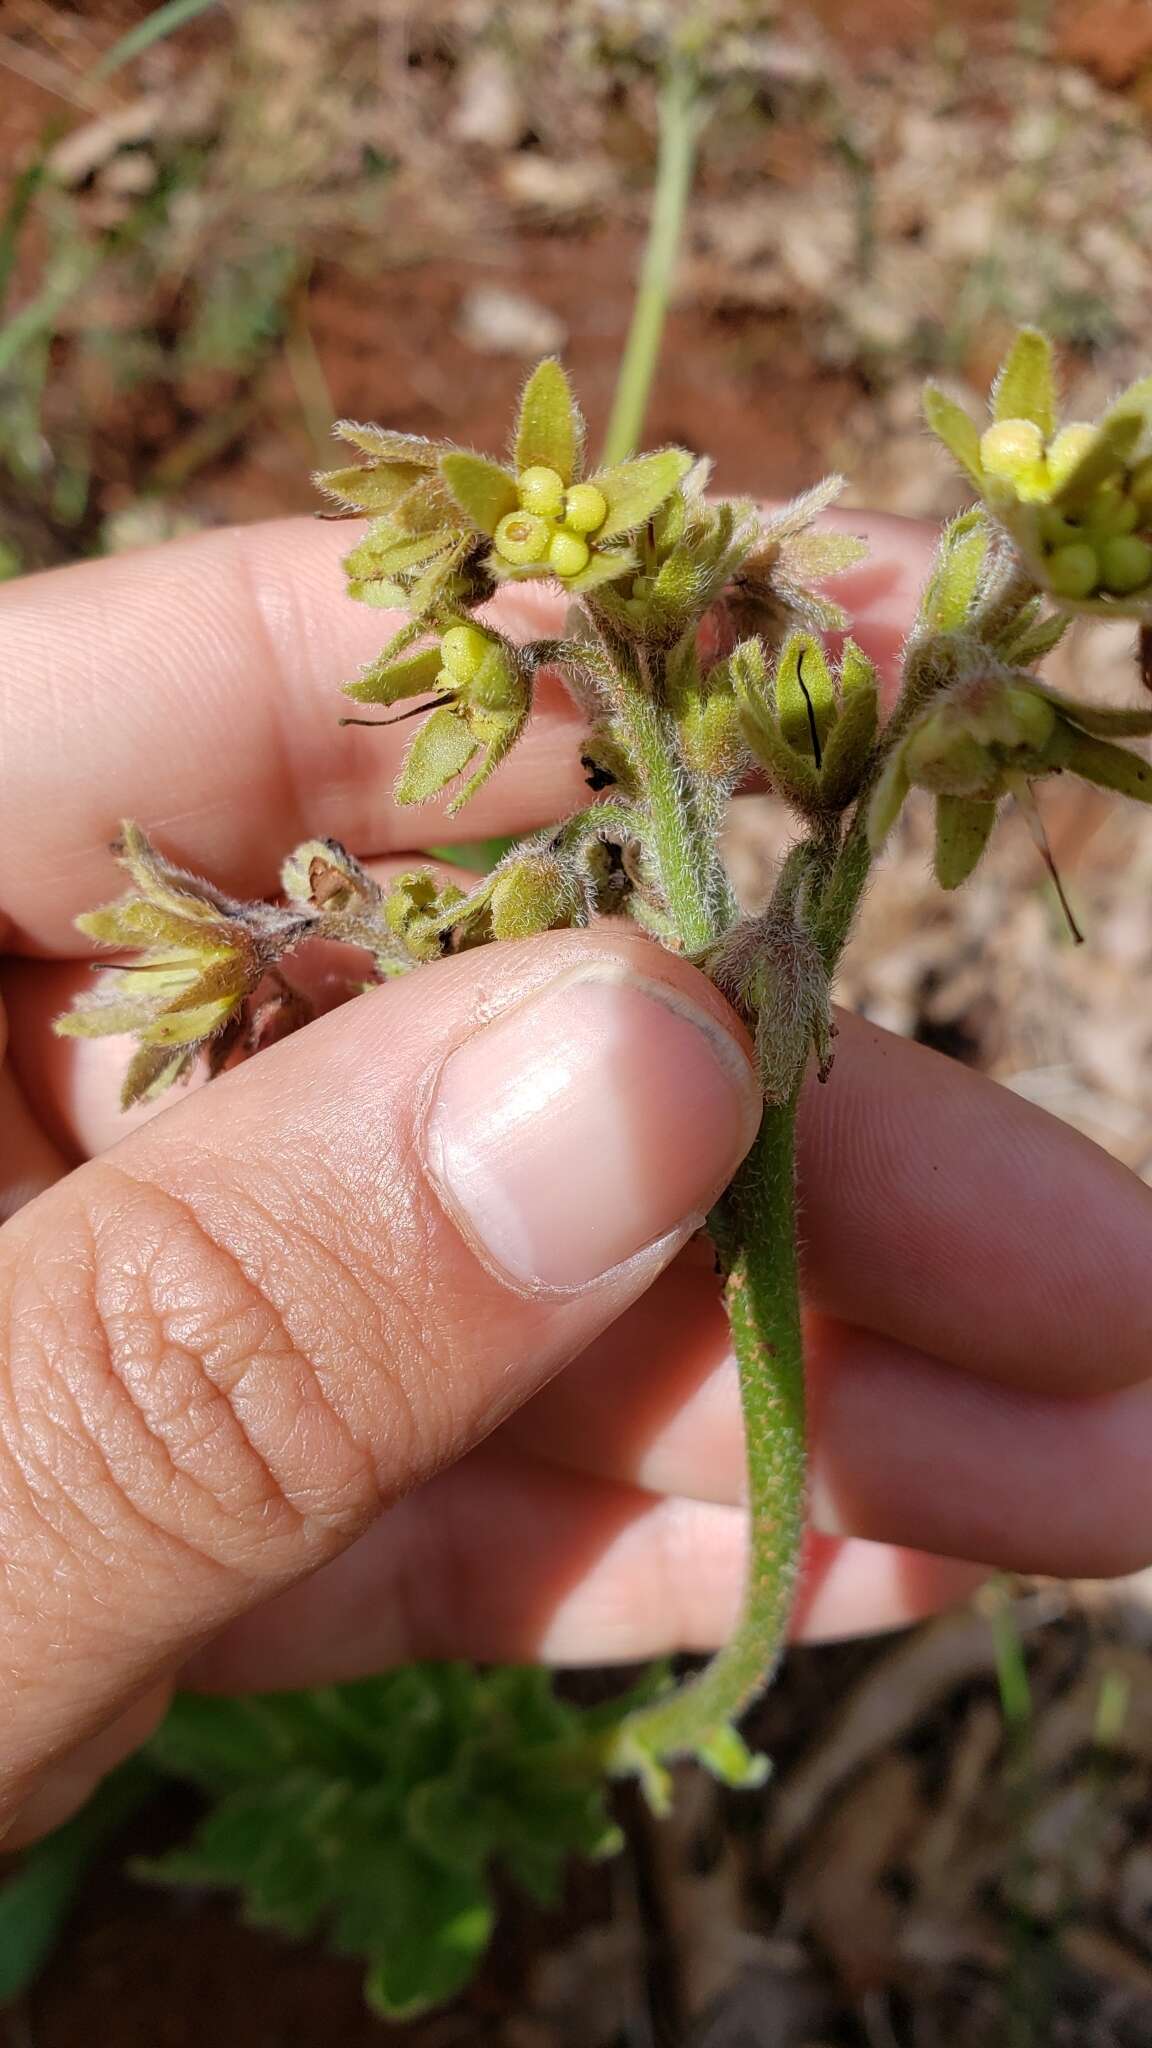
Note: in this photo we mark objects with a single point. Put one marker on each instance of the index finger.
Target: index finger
(196, 687)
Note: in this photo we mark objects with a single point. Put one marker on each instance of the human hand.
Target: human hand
(277, 1401)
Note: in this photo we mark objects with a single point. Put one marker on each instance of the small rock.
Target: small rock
(500, 322)
(489, 110)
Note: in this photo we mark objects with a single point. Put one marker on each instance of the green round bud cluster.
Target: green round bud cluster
(1101, 543)
(550, 530)
(480, 673)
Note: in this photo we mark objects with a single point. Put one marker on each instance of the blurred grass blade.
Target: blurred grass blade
(173, 15)
(24, 190)
(36, 1898)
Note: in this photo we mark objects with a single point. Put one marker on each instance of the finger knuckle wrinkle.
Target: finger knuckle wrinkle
(149, 1380)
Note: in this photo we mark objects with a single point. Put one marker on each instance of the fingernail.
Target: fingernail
(589, 1123)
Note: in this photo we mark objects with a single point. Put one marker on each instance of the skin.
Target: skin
(980, 1318)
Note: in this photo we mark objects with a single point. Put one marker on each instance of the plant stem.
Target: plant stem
(680, 123)
(754, 1226)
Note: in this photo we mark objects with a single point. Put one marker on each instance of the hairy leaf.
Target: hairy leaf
(442, 747)
(633, 491)
(549, 430)
(956, 575)
(805, 694)
(1108, 766)
(1025, 386)
(963, 825)
(386, 682)
(483, 491)
(951, 424)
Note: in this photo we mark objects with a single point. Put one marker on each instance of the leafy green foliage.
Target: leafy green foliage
(373, 1814)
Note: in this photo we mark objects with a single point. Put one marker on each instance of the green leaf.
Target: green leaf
(849, 747)
(887, 799)
(960, 435)
(368, 489)
(385, 553)
(1108, 766)
(35, 1898)
(427, 591)
(858, 672)
(483, 491)
(963, 825)
(805, 694)
(956, 575)
(1032, 636)
(1104, 721)
(634, 490)
(441, 749)
(810, 557)
(549, 429)
(439, 1928)
(386, 682)
(1025, 387)
(221, 1742)
(790, 775)
(384, 445)
(728, 1757)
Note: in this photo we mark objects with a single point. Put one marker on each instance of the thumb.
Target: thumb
(235, 1337)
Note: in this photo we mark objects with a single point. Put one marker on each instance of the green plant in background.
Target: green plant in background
(372, 1814)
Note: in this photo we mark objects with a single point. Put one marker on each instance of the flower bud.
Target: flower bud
(568, 554)
(1014, 450)
(541, 490)
(522, 538)
(1068, 449)
(1140, 483)
(1125, 563)
(1074, 571)
(462, 649)
(537, 893)
(1111, 511)
(585, 508)
(1033, 718)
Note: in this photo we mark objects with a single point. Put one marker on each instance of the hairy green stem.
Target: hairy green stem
(680, 123)
(685, 854)
(754, 1227)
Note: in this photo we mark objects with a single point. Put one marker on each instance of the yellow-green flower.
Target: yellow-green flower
(480, 694)
(201, 955)
(988, 736)
(420, 552)
(543, 516)
(1076, 498)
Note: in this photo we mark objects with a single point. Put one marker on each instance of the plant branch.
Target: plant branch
(754, 1227)
(685, 854)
